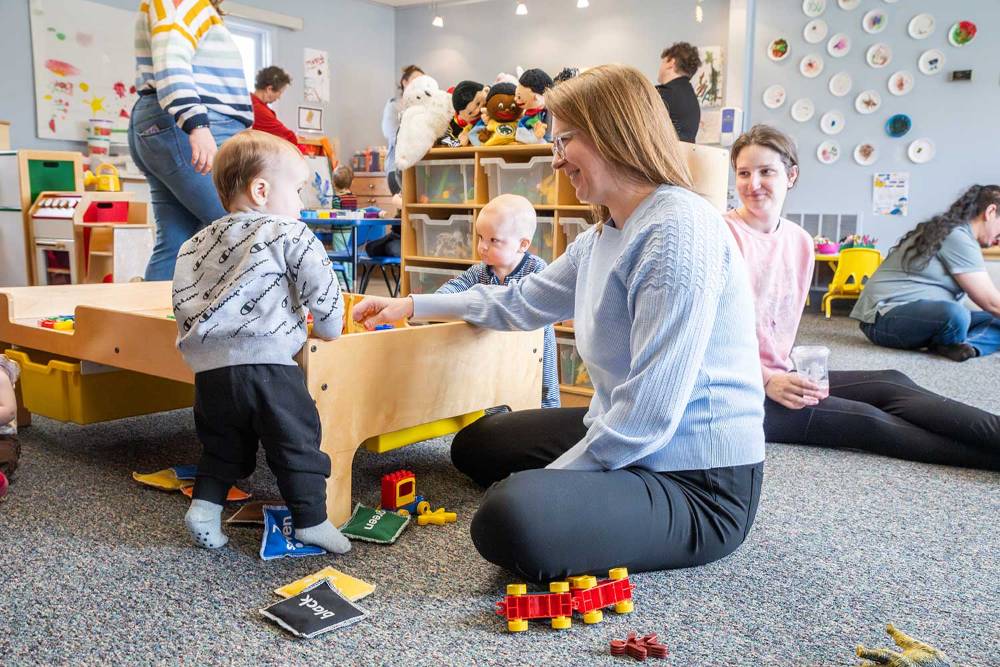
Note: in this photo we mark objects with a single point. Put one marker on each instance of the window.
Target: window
(254, 43)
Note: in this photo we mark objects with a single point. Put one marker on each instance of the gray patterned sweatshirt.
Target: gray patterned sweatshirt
(242, 289)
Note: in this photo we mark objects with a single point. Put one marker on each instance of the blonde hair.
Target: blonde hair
(243, 158)
(625, 119)
(513, 210)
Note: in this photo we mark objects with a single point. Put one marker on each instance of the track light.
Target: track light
(438, 22)
(522, 9)
(582, 4)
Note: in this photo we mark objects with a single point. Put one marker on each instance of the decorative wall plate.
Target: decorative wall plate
(832, 122)
(774, 96)
(828, 152)
(878, 55)
(875, 21)
(867, 102)
(840, 84)
(900, 83)
(803, 110)
(962, 33)
(931, 62)
(813, 8)
(898, 125)
(921, 26)
(920, 151)
(839, 45)
(865, 153)
(848, 5)
(778, 49)
(811, 66)
(815, 31)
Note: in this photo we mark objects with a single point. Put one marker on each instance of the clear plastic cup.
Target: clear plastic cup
(812, 361)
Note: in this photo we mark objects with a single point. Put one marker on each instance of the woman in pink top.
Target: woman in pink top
(884, 412)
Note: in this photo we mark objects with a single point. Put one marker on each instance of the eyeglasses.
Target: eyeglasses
(559, 144)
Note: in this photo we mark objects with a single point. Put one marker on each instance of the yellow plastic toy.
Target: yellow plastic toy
(103, 179)
(855, 267)
(438, 517)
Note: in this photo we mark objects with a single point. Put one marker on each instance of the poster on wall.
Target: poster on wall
(707, 81)
(84, 67)
(310, 119)
(317, 75)
(891, 193)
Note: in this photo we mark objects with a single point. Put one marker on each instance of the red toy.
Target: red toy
(399, 494)
(582, 594)
(639, 647)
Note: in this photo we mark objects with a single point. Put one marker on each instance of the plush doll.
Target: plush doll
(915, 653)
(467, 98)
(530, 97)
(498, 125)
(566, 74)
(426, 112)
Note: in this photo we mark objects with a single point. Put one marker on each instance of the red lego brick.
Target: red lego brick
(604, 594)
(390, 499)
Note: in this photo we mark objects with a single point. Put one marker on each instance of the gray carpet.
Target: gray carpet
(95, 569)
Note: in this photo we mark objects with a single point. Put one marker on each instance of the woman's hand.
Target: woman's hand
(793, 391)
(375, 310)
(203, 149)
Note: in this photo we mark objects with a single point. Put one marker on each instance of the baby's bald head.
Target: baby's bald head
(510, 215)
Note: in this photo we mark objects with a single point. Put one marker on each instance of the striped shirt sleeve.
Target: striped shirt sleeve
(473, 276)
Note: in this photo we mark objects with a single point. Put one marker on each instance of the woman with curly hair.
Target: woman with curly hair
(913, 300)
(678, 63)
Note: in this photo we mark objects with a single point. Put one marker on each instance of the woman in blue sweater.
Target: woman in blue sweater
(664, 469)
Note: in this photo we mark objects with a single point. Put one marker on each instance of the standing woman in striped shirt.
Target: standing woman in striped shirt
(664, 469)
(192, 97)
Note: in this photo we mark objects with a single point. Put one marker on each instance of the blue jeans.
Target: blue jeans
(183, 200)
(918, 324)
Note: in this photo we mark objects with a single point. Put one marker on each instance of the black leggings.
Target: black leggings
(887, 413)
(548, 524)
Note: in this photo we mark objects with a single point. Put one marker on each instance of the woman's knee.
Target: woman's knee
(471, 446)
(893, 376)
(955, 320)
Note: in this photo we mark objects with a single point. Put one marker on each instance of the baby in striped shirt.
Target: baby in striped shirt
(505, 228)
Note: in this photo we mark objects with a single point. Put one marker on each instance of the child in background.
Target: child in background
(343, 198)
(241, 289)
(10, 449)
(505, 228)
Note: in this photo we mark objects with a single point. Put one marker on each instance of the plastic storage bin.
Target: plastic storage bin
(451, 237)
(541, 245)
(572, 370)
(534, 179)
(70, 391)
(445, 181)
(573, 227)
(426, 280)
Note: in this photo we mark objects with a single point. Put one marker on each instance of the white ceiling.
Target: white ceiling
(402, 3)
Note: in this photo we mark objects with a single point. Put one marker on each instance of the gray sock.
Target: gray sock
(326, 536)
(204, 520)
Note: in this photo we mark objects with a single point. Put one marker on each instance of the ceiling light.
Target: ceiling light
(522, 9)
(582, 4)
(438, 22)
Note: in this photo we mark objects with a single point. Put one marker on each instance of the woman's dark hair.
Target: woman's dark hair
(768, 137)
(930, 234)
(409, 71)
(685, 57)
(272, 76)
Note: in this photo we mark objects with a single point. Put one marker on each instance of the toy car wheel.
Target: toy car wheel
(559, 587)
(618, 573)
(518, 625)
(423, 507)
(625, 607)
(595, 616)
(561, 623)
(517, 589)
(403, 512)
(583, 582)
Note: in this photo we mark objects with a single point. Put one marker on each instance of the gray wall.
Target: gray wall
(479, 40)
(358, 36)
(960, 118)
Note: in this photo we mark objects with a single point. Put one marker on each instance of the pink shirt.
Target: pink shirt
(780, 267)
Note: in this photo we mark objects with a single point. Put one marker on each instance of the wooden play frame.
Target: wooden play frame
(364, 384)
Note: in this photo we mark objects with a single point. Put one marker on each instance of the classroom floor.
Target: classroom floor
(95, 569)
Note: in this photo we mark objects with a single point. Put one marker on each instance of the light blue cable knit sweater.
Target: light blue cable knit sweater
(664, 320)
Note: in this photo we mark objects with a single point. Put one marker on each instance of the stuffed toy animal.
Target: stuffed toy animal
(426, 112)
(566, 74)
(915, 653)
(530, 97)
(467, 98)
(498, 125)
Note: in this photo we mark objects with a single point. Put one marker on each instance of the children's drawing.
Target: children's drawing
(707, 81)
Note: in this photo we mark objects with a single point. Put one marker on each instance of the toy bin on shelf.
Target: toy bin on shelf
(541, 245)
(451, 237)
(572, 227)
(572, 370)
(445, 181)
(535, 180)
(84, 393)
(426, 279)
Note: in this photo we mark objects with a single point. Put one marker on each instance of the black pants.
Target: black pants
(887, 413)
(547, 524)
(238, 406)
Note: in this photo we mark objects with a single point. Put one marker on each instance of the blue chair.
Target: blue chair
(388, 265)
